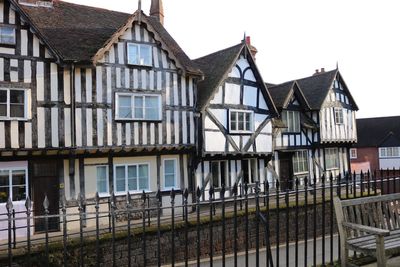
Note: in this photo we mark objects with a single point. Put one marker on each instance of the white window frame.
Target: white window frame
(292, 126)
(389, 152)
(330, 152)
(8, 103)
(1, 35)
(244, 120)
(300, 159)
(10, 170)
(175, 186)
(103, 194)
(139, 46)
(339, 119)
(126, 178)
(353, 153)
(133, 95)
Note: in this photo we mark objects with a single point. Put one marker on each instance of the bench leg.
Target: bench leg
(380, 251)
(344, 257)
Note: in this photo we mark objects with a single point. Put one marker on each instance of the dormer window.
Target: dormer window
(338, 115)
(241, 121)
(140, 54)
(7, 35)
(292, 121)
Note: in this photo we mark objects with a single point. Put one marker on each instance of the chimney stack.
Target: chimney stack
(157, 10)
(253, 50)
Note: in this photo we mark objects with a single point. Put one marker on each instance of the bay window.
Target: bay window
(13, 103)
(140, 54)
(138, 107)
(241, 121)
(132, 178)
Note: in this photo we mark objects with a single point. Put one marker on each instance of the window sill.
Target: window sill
(333, 169)
(136, 120)
(140, 66)
(7, 45)
(300, 173)
(240, 132)
(118, 194)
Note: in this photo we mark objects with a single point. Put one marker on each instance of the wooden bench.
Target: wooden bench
(369, 225)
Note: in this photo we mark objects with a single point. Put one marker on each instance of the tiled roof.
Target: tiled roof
(374, 132)
(280, 92)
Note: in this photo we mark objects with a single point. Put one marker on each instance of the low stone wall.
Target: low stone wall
(121, 244)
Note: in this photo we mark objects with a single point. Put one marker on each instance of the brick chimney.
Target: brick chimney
(157, 10)
(253, 50)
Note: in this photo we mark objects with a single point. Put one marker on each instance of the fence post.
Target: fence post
(277, 222)
(268, 255)
(159, 201)
(296, 252)
(257, 192)
(28, 206)
(173, 194)
(9, 207)
(198, 195)
(128, 207)
(235, 245)
(64, 214)
(323, 179)
(185, 205)
(81, 204)
(222, 196)
(112, 213)
(46, 226)
(144, 197)
(246, 210)
(305, 220)
(97, 207)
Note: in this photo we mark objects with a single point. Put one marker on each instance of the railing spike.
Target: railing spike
(305, 181)
(211, 192)
(222, 192)
(9, 205)
(128, 198)
(158, 195)
(28, 203)
(173, 194)
(186, 194)
(46, 202)
(235, 189)
(246, 188)
(97, 198)
(144, 196)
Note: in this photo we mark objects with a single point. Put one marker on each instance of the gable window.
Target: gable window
(389, 152)
(331, 158)
(170, 174)
(7, 35)
(300, 162)
(102, 180)
(241, 121)
(338, 115)
(140, 54)
(353, 153)
(12, 104)
(292, 121)
(218, 172)
(132, 178)
(13, 184)
(138, 107)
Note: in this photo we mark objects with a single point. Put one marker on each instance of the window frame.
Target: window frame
(10, 184)
(126, 178)
(13, 43)
(220, 178)
(292, 127)
(139, 45)
(132, 96)
(8, 104)
(339, 119)
(353, 150)
(103, 194)
(253, 177)
(296, 160)
(386, 152)
(328, 153)
(175, 174)
(237, 111)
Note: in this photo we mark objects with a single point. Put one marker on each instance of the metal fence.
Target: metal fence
(270, 226)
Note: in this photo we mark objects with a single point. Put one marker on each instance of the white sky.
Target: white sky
(296, 37)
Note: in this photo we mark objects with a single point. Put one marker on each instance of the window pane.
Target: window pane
(169, 173)
(139, 107)
(132, 178)
(102, 179)
(133, 54)
(233, 121)
(248, 121)
(143, 177)
(3, 110)
(18, 177)
(7, 35)
(4, 177)
(4, 194)
(215, 174)
(124, 110)
(241, 121)
(145, 55)
(120, 178)
(19, 193)
(3, 96)
(17, 96)
(17, 111)
(152, 107)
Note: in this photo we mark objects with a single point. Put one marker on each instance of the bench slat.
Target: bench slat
(373, 199)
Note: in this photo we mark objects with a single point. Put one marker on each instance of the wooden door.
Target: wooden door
(286, 171)
(45, 181)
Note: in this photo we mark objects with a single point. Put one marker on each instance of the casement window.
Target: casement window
(338, 115)
(13, 104)
(389, 152)
(218, 173)
(353, 153)
(300, 162)
(331, 158)
(140, 54)
(7, 35)
(138, 107)
(250, 171)
(241, 121)
(292, 121)
(170, 173)
(132, 178)
(13, 184)
(102, 180)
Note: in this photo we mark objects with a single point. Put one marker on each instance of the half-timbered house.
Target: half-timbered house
(235, 136)
(91, 100)
(317, 127)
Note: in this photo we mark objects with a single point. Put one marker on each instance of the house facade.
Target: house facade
(316, 129)
(378, 145)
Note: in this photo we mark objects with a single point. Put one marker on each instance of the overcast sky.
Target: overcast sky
(296, 37)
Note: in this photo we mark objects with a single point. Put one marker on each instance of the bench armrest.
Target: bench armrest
(366, 229)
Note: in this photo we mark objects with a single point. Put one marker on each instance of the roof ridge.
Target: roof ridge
(93, 7)
(217, 52)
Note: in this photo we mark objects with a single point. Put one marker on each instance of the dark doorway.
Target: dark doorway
(45, 181)
(286, 171)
